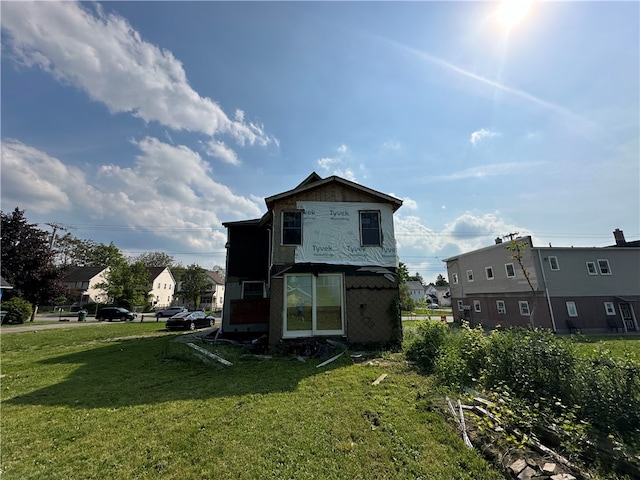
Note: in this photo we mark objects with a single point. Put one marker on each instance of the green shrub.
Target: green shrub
(425, 346)
(462, 357)
(18, 310)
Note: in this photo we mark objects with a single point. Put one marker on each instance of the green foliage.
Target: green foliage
(26, 260)
(396, 323)
(194, 284)
(18, 310)
(127, 285)
(155, 259)
(427, 343)
(441, 281)
(462, 358)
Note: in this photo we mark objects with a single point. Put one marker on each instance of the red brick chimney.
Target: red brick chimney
(619, 236)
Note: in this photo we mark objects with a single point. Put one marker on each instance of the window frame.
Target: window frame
(608, 272)
(572, 310)
(460, 306)
(378, 228)
(609, 308)
(250, 282)
(477, 307)
(553, 259)
(469, 276)
(284, 240)
(593, 271)
(487, 271)
(454, 278)
(523, 306)
(501, 307)
(506, 269)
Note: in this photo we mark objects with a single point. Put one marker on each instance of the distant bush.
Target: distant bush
(425, 346)
(18, 310)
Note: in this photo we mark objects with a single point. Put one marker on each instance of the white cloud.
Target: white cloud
(104, 56)
(480, 135)
(218, 149)
(491, 170)
(167, 185)
(407, 203)
(31, 177)
(338, 164)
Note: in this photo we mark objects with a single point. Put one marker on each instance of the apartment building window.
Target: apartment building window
(292, 228)
(511, 272)
(454, 277)
(591, 268)
(252, 290)
(502, 308)
(158, 286)
(524, 308)
(470, 275)
(572, 311)
(553, 263)
(609, 308)
(603, 266)
(489, 272)
(460, 305)
(370, 233)
(476, 306)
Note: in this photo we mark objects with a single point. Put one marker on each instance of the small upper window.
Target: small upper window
(292, 228)
(502, 308)
(489, 272)
(591, 268)
(470, 275)
(454, 277)
(553, 263)
(609, 308)
(511, 272)
(603, 265)
(370, 233)
(572, 311)
(253, 290)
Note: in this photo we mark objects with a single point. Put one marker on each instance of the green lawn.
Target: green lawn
(125, 401)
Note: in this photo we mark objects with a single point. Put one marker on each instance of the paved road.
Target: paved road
(47, 322)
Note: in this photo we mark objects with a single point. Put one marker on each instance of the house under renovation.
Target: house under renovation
(321, 262)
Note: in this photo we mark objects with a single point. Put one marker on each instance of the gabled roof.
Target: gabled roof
(4, 284)
(155, 271)
(415, 285)
(82, 274)
(215, 276)
(314, 181)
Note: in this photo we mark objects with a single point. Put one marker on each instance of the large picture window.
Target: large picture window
(370, 233)
(292, 228)
(314, 305)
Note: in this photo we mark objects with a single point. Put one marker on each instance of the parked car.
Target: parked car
(170, 311)
(115, 313)
(190, 321)
(432, 305)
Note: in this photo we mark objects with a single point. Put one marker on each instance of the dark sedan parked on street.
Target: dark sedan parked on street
(115, 313)
(190, 321)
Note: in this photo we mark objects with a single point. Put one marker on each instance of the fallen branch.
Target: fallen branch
(379, 379)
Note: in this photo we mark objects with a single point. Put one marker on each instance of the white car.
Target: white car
(170, 311)
(432, 305)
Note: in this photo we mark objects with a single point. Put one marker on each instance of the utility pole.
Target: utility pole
(56, 227)
(510, 235)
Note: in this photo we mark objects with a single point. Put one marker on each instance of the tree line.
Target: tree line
(35, 262)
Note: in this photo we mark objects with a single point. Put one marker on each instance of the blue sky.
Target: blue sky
(150, 123)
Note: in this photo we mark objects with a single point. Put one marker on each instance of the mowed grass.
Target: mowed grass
(126, 401)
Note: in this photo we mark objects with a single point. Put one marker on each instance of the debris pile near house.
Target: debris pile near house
(532, 461)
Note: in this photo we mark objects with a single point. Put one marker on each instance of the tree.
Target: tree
(72, 251)
(417, 278)
(102, 255)
(441, 281)
(156, 259)
(194, 283)
(127, 285)
(26, 261)
(517, 249)
(406, 302)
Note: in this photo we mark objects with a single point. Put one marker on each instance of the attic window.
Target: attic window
(292, 228)
(370, 234)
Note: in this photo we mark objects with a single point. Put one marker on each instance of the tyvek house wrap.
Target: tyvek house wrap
(331, 234)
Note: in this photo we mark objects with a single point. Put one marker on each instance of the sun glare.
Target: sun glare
(512, 12)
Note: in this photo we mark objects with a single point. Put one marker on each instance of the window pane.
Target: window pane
(299, 302)
(370, 228)
(292, 228)
(329, 302)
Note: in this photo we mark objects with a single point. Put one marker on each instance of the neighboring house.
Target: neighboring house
(431, 294)
(4, 285)
(321, 262)
(444, 296)
(583, 288)
(83, 283)
(212, 298)
(163, 286)
(416, 290)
